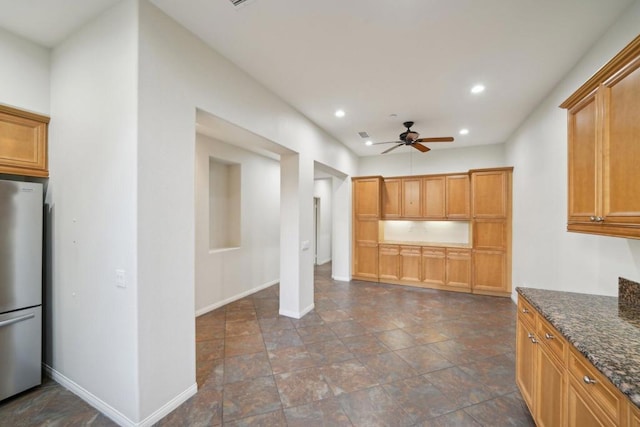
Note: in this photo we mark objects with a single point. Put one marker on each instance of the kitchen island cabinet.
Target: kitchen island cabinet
(577, 358)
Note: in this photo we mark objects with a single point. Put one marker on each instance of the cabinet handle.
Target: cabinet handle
(532, 338)
(525, 311)
(548, 336)
(599, 219)
(588, 380)
(592, 218)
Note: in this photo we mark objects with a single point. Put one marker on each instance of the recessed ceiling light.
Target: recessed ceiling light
(339, 113)
(464, 131)
(368, 143)
(477, 88)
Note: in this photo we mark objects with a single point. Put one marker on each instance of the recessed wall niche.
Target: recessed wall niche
(224, 204)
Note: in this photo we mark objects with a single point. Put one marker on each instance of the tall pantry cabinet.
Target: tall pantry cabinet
(366, 213)
(491, 218)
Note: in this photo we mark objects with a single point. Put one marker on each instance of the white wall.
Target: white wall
(545, 255)
(24, 74)
(436, 161)
(179, 73)
(223, 276)
(323, 189)
(92, 198)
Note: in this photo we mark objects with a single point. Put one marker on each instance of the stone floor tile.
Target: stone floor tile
(323, 413)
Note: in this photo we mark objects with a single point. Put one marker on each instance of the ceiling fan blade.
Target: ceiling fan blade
(437, 139)
(388, 142)
(420, 147)
(392, 148)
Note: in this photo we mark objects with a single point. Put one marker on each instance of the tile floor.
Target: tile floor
(368, 355)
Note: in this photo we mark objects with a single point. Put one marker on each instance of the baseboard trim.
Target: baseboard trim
(211, 307)
(168, 407)
(111, 412)
(341, 279)
(297, 315)
(323, 262)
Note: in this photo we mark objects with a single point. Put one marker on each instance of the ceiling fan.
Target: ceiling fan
(410, 137)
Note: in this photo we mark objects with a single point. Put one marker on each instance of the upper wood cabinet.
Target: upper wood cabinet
(457, 196)
(23, 142)
(446, 197)
(489, 192)
(411, 197)
(604, 149)
(391, 198)
(434, 197)
(366, 197)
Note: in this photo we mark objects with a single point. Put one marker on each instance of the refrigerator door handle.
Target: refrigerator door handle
(16, 320)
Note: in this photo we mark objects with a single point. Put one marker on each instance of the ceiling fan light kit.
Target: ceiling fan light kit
(411, 138)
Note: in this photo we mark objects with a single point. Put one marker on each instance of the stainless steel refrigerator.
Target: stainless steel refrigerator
(21, 205)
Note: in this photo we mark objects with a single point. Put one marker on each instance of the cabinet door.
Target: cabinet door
(549, 391)
(365, 248)
(490, 234)
(582, 411)
(583, 161)
(391, 198)
(433, 197)
(365, 261)
(23, 143)
(433, 266)
(489, 271)
(457, 199)
(410, 263)
(621, 147)
(366, 197)
(411, 189)
(388, 262)
(634, 415)
(489, 194)
(526, 354)
(458, 269)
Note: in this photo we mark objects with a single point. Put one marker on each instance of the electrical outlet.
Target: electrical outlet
(121, 281)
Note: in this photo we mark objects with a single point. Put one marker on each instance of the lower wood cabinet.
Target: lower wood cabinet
(458, 264)
(490, 273)
(434, 266)
(389, 262)
(558, 384)
(410, 264)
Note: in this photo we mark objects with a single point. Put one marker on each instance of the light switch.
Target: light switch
(305, 245)
(121, 281)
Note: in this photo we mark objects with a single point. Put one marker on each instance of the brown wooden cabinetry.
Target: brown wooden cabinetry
(633, 416)
(23, 143)
(411, 197)
(391, 198)
(389, 259)
(491, 212)
(457, 196)
(604, 148)
(558, 384)
(434, 197)
(366, 213)
(434, 266)
(458, 264)
(410, 264)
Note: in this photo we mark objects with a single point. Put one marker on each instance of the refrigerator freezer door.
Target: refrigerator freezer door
(20, 351)
(20, 245)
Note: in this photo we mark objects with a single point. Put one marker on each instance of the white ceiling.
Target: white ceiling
(373, 58)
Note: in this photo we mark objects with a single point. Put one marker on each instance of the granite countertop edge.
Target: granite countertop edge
(599, 357)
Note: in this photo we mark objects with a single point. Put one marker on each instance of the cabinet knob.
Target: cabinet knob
(588, 380)
(548, 336)
(599, 219)
(592, 218)
(525, 311)
(532, 338)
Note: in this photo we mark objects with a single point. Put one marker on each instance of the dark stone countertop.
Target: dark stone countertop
(605, 332)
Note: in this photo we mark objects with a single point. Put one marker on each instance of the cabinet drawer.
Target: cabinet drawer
(433, 251)
(551, 338)
(596, 386)
(526, 312)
